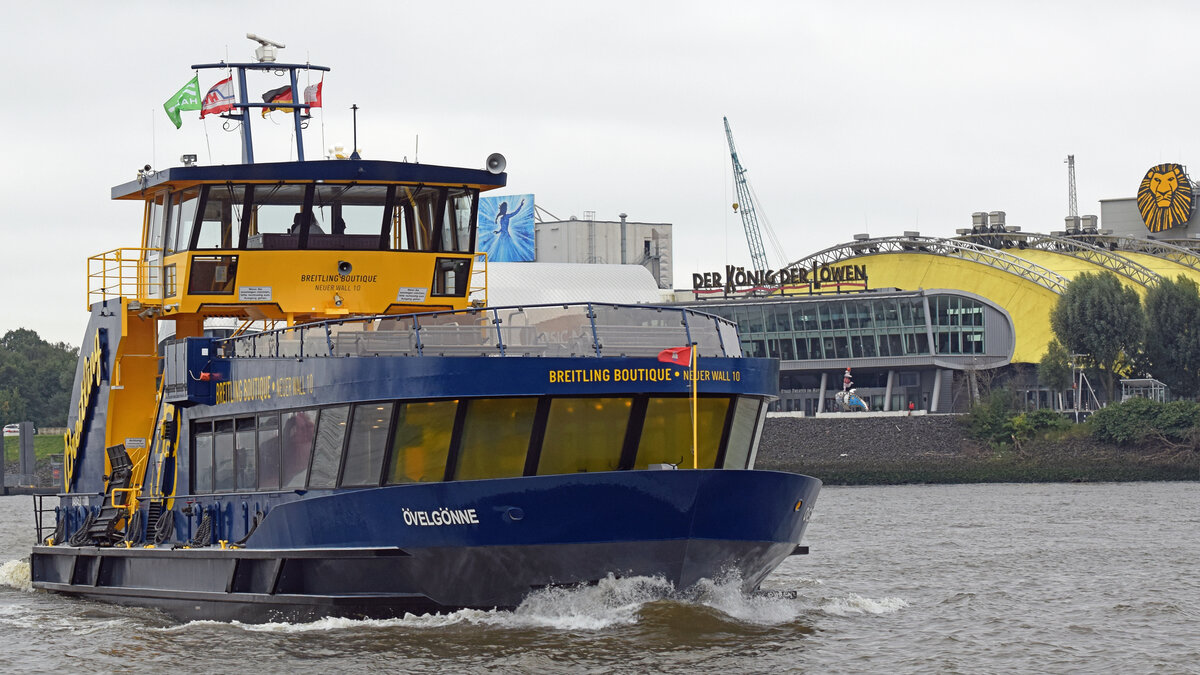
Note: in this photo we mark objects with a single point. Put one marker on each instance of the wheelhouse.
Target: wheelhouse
(319, 240)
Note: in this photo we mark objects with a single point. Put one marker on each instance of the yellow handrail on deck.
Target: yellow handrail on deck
(479, 293)
(124, 273)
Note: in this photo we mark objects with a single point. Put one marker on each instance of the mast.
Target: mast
(266, 63)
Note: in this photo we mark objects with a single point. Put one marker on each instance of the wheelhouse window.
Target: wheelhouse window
(181, 216)
(450, 277)
(155, 212)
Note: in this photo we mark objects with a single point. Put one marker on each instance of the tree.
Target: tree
(1054, 370)
(1101, 318)
(35, 379)
(1172, 348)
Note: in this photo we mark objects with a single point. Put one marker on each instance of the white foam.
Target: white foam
(856, 604)
(15, 573)
(611, 602)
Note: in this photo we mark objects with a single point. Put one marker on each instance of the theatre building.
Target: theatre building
(927, 321)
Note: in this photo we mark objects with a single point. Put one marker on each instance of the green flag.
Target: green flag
(187, 98)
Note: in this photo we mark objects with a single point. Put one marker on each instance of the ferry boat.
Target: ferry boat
(373, 439)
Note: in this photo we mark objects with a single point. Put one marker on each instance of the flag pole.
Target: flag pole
(695, 444)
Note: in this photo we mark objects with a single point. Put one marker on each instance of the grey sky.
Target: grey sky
(850, 117)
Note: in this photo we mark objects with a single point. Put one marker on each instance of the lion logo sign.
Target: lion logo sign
(1165, 197)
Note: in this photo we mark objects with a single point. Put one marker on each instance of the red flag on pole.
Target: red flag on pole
(676, 355)
(312, 94)
(219, 99)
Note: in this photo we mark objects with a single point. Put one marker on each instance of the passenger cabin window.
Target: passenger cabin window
(422, 442)
(400, 442)
(299, 431)
(268, 451)
(584, 434)
(495, 438)
(223, 453)
(202, 458)
(741, 433)
(667, 431)
(246, 454)
(367, 445)
(327, 456)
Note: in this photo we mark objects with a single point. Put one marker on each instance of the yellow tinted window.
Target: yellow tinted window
(741, 433)
(495, 438)
(422, 442)
(584, 434)
(667, 432)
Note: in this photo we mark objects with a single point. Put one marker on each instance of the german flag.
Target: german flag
(280, 95)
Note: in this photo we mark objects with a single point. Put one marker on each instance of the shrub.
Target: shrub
(1036, 423)
(1141, 420)
(988, 420)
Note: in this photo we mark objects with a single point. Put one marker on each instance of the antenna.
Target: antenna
(266, 48)
(1072, 204)
(354, 151)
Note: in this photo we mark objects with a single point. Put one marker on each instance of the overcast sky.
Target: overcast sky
(871, 117)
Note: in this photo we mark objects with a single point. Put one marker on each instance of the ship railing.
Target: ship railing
(124, 273)
(478, 292)
(570, 330)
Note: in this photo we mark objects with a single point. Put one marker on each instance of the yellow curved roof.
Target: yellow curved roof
(1028, 302)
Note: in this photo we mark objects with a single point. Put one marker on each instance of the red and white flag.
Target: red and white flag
(676, 355)
(312, 94)
(219, 99)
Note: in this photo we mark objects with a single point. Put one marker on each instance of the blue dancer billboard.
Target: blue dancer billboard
(506, 228)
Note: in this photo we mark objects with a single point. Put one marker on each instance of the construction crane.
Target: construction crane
(747, 205)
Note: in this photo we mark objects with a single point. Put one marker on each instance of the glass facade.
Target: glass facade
(858, 327)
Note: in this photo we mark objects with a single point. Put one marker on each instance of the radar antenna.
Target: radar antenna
(266, 48)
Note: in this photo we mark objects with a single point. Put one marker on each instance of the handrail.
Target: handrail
(573, 329)
(123, 273)
(479, 267)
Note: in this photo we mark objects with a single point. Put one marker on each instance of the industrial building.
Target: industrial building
(591, 241)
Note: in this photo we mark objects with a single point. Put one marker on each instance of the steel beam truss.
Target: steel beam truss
(951, 248)
(1078, 246)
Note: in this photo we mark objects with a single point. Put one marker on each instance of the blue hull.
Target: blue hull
(381, 552)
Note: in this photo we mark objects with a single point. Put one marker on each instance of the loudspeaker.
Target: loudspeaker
(344, 268)
(496, 163)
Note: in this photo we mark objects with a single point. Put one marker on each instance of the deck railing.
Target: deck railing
(123, 273)
(571, 330)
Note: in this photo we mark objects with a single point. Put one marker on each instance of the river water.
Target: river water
(968, 578)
